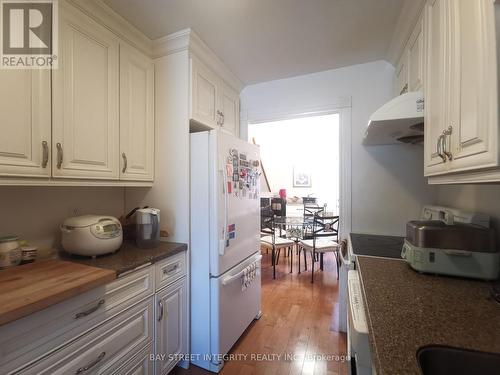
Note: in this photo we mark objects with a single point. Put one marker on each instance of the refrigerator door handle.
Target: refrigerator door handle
(222, 243)
(232, 278)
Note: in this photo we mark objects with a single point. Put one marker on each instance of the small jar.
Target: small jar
(10, 251)
(28, 254)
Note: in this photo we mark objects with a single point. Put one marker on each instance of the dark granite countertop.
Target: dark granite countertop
(128, 257)
(407, 310)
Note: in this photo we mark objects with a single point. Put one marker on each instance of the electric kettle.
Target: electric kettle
(147, 225)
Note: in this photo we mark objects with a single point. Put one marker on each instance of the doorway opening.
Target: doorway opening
(301, 155)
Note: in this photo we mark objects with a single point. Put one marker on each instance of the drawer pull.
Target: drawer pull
(171, 269)
(160, 315)
(81, 370)
(89, 311)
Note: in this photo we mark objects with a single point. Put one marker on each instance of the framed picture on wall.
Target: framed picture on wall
(301, 177)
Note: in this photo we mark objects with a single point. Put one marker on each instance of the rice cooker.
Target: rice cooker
(91, 235)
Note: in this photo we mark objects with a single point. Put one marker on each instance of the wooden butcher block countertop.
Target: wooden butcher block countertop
(32, 287)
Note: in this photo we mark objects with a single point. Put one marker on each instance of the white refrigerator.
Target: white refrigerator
(224, 245)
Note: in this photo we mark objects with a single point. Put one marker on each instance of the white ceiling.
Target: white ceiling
(263, 40)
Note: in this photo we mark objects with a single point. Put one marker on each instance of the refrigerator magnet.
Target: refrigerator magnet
(232, 235)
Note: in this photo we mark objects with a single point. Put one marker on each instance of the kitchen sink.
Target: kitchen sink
(445, 360)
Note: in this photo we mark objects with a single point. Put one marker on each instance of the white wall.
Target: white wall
(170, 192)
(475, 198)
(388, 187)
(35, 213)
(311, 143)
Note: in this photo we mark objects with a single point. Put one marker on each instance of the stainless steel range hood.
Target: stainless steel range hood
(400, 120)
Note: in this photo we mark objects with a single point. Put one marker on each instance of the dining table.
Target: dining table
(297, 228)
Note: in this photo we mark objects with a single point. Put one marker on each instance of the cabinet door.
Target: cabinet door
(85, 100)
(204, 95)
(401, 82)
(473, 107)
(435, 85)
(230, 108)
(171, 327)
(25, 123)
(136, 115)
(415, 58)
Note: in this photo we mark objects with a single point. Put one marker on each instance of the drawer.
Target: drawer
(171, 269)
(32, 337)
(104, 348)
(140, 364)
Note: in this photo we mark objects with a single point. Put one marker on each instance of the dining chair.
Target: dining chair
(324, 238)
(310, 210)
(273, 242)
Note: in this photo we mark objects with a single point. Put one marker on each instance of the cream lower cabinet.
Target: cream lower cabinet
(171, 327)
(113, 329)
(136, 115)
(104, 349)
(461, 122)
(25, 123)
(85, 100)
(213, 103)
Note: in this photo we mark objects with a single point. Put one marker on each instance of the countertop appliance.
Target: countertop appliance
(452, 242)
(147, 227)
(225, 247)
(401, 120)
(91, 235)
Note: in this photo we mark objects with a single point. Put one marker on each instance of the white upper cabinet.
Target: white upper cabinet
(136, 115)
(204, 95)
(416, 57)
(89, 122)
(473, 122)
(230, 110)
(213, 103)
(401, 79)
(25, 123)
(85, 100)
(409, 72)
(461, 100)
(435, 90)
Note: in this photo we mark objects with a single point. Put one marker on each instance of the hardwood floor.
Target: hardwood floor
(299, 320)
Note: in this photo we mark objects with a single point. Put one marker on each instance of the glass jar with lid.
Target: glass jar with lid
(10, 251)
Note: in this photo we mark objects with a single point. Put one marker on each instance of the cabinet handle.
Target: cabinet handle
(447, 141)
(81, 370)
(223, 118)
(45, 157)
(89, 311)
(59, 155)
(439, 147)
(160, 316)
(169, 270)
(125, 163)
